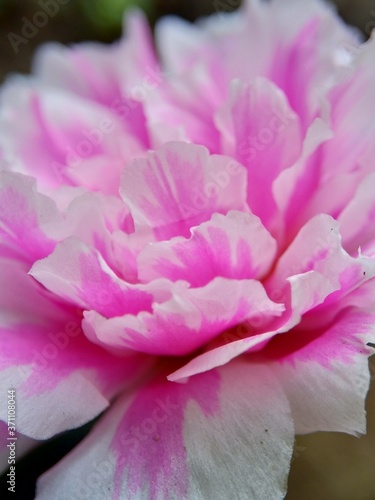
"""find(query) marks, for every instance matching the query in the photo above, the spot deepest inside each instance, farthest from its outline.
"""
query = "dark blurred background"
(78, 20)
(326, 466)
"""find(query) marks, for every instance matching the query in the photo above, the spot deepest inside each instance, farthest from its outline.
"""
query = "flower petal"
(192, 317)
(185, 441)
(75, 141)
(180, 186)
(357, 218)
(334, 359)
(266, 139)
(352, 113)
(297, 184)
(79, 274)
(312, 276)
(61, 379)
(92, 69)
(235, 246)
(26, 218)
(318, 247)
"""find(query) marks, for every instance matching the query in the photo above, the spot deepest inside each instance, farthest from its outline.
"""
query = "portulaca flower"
(187, 246)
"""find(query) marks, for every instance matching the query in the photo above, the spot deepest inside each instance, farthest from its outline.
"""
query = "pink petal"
(162, 442)
(26, 218)
(352, 114)
(357, 218)
(329, 176)
(235, 246)
(191, 318)
(296, 185)
(181, 185)
(304, 57)
(267, 139)
(25, 300)
(57, 372)
(317, 247)
(126, 249)
(336, 360)
(306, 292)
(311, 277)
(75, 141)
(62, 380)
(71, 402)
(94, 218)
(305, 69)
(91, 70)
(78, 274)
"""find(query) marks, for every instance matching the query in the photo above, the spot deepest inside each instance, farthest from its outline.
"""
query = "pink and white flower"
(188, 245)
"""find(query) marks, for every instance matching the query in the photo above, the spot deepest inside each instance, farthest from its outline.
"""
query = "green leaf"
(108, 14)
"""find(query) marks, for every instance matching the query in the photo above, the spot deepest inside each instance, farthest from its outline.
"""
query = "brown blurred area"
(326, 466)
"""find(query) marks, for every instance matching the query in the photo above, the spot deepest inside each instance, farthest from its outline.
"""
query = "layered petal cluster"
(187, 244)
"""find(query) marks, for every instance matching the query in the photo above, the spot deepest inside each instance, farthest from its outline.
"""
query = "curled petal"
(191, 318)
(235, 245)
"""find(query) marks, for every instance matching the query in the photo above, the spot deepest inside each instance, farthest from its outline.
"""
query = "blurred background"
(78, 20)
(326, 466)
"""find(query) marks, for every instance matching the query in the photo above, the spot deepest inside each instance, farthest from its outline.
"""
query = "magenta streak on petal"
(107, 97)
(53, 140)
(244, 261)
(198, 266)
(350, 279)
(205, 255)
(137, 121)
(299, 69)
(48, 140)
(156, 460)
(170, 189)
(336, 342)
(54, 355)
(103, 294)
(20, 226)
(59, 137)
(102, 94)
(220, 241)
(200, 263)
